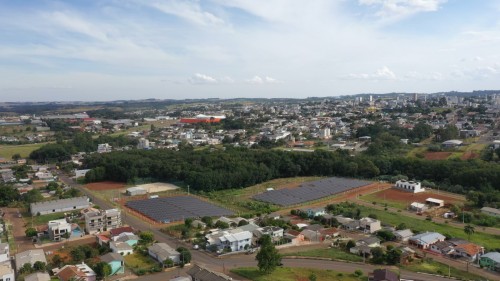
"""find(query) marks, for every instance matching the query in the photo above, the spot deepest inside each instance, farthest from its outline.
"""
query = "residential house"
(328, 233)
(383, 275)
(162, 251)
(369, 225)
(4, 252)
(403, 235)
(371, 242)
(425, 240)
(29, 256)
(59, 229)
(103, 239)
(101, 220)
(490, 211)
(294, 236)
(121, 248)
(469, 251)
(117, 231)
(315, 212)
(128, 238)
(60, 205)
(80, 272)
(442, 248)
(198, 224)
(116, 262)
(199, 273)
(311, 235)
(226, 239)
(275, 232)
(491, 261)
(38, 276)
(6, 272)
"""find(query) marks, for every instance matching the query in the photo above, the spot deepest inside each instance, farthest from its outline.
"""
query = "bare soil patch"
(105, 185)
(393, 194)
(469, 155)
(437, 155)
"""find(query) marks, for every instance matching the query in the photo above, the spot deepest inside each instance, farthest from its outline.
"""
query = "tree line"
(208, 170)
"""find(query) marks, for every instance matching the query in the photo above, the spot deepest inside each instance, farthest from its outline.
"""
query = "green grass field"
(42, 219)
(434, 267)
(372, 197)
(287, 274)
(6, 151)
(333, 253)
(489, 241)
(137, 261)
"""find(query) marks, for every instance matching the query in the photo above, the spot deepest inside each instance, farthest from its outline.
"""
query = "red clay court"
(105, 185)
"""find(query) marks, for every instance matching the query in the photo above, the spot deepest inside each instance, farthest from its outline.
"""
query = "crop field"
(400, 199)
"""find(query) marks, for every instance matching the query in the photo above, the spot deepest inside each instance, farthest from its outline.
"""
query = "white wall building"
(410, 186)
(58, 228)
(238, 241)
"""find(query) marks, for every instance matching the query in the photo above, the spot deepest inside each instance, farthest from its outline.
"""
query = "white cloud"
(397, 9)
(199, 78)
(262, 80)
(74, 23)
(383, 73)
(187, 10)
(476, 73)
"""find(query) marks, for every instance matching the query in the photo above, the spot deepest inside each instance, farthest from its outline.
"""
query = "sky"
(83, 50)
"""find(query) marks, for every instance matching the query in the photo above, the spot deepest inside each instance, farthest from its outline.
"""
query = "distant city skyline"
(131, 49)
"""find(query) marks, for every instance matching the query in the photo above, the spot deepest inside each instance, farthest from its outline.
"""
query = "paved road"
(226, 263)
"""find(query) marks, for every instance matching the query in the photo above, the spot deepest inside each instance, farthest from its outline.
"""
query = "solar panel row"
(177, 208)
(310, 191)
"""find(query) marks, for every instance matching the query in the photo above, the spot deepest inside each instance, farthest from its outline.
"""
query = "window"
(53, 210)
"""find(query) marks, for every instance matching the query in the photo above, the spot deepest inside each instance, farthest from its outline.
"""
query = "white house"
(58, 229)
(425, 240)
(162, 251)
(410, 186)
(369, 225)
(6, 272)
(121, 248)
(237, 241)
(403, 235)
(275, 232)
(4, 252)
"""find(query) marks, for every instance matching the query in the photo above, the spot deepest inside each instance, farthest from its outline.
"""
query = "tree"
(385, 235)
(57, 260)
(31, 232)
(358, 273)
(221, 224)
(242, 222)
(268, 257)
(146, 237)
(401, 226)
(313, 277)
(26, 268)
(377, 255)
(208, 220)
(77, 254)
(350, 244)
(39, 266)
(16, 156)
(469, 230)
(185, 256)
(102, 270)
(168, 262)
(188, 222)
(393, 256)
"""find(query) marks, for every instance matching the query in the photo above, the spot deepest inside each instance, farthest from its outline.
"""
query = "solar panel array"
(309, 191)
(168, 209)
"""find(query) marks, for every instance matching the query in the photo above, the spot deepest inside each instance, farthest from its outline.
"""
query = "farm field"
(105, 185)
(300, 274)
(489, 241)
(6, 151)
(401, 199)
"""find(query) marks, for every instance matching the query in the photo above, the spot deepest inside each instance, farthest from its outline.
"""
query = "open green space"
(433, 267)
(42, 219)
(6, 151)
(138, 262)
(489, 241)
(331, 253)
(239, 199)
(372, 197)
(287, 273)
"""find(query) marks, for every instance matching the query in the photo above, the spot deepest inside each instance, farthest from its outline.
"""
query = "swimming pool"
(77, 232)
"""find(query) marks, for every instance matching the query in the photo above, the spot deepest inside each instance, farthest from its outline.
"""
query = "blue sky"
(133, 49)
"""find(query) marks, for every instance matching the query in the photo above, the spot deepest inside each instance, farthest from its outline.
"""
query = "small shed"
(133, 191)
(418, 207)
(434, 202)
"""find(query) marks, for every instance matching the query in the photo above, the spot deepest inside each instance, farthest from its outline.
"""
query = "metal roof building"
(60, 205)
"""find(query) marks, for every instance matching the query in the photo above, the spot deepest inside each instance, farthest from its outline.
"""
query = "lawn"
(302, 274)
(42, 219)
(240, 199)
(6, 151)
(372, 197)
(433, 267)
(137, 261)
(333, 253)
(489, 241)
